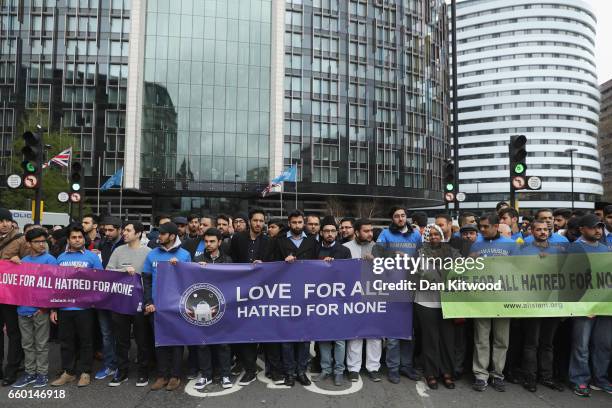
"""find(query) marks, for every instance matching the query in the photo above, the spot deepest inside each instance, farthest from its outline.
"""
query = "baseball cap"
(180, 220)
(590, 221)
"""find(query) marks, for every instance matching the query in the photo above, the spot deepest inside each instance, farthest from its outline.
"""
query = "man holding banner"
(493, 244)
(75, 324)
(295, 245)
(400, 238)
(169, 358)
(130, 258)
(591, 335)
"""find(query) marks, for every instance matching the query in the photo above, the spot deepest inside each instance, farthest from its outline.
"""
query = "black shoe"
(315, 366)
(142, 380)
(237, 369)
(289, 381)
(118, 379)
(552, 384)
(277, 378)
(8, 381)
(247, 378)
(479, 385)
(410, 373)
(353, 376)
(514, 379)
(303, 379)
(530, 385)
(498, 385)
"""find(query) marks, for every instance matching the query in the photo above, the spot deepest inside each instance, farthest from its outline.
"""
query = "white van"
(49, 218)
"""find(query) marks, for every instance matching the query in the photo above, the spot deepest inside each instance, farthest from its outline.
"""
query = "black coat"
(191, 246)
(282, 246)
(338, 251)
(239, 247)
(205, 257)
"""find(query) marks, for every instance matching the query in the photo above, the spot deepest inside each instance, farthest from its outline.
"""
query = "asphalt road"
(364, 394)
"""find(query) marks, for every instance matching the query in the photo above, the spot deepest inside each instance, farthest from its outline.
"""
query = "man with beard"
(169, 358)
(607, 233)
(250, 247)
(539, 333)
(240, 222)
(330, 249)
(313, 225)
(347, 230)
(193, 226)
(294, 245)
(90, 226)
(561, 217)
(591, 335)
(400, 238)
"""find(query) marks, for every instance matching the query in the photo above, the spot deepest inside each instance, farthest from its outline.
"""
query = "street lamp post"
(571, 153)
(477, 182)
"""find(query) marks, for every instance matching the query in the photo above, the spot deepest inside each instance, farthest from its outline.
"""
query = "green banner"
(531, 286)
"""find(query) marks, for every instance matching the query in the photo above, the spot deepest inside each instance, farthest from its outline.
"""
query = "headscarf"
(427, 232)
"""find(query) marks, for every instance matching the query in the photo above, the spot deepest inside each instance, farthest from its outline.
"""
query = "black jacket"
(205, 257)
(338, 251)
(239, 247)
(282, 246)
(461, 245)
(191, 246)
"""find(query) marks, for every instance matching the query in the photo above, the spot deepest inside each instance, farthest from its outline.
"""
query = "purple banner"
(272, 302)
(50, 286)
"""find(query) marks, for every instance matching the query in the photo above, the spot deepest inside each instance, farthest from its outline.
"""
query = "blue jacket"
(500, 246)
(532, 249)
(149, 269)
(42, 259)
(581, 246)
(395, 241)
(79, 259)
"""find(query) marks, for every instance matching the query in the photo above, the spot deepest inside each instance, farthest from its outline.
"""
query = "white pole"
(281, 198)
(296, 186)
(121, 194)
(99, 179)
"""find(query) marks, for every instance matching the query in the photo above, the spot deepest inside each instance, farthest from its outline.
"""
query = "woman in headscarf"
(437, 334)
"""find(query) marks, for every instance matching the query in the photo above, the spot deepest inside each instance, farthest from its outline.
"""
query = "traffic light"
(518, 162)
(32, 159)
(76, 177)
(450, 183)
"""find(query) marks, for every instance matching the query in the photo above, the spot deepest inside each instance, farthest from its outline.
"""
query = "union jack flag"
(269, 188)
(61, 159)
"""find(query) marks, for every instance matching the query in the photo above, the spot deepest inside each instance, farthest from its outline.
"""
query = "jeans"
(273, 353)
(8, 316)
(34, 340)
(247, 355)
(169, 358)
(339, 348)
(76, 330)
(596, 332)
(399, 354)
(108, 340)
(295, 357)
(223, 357)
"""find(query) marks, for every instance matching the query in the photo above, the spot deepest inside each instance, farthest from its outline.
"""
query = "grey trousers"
(482, 347)
(35, 342)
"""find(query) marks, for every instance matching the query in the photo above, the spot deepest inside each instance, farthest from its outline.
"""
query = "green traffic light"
(30, 167)
(76, 187)
(450, 187)
(519, 168)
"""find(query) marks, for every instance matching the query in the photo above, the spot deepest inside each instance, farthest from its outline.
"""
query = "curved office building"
(528, 67)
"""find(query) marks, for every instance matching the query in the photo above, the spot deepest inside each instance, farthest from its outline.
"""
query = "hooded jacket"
(149, 269)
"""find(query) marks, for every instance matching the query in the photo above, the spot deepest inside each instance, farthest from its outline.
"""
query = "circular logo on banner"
(202, 304)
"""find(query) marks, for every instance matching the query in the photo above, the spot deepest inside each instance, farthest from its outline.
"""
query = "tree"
(367, 208)
(54, 177)
(334, 207)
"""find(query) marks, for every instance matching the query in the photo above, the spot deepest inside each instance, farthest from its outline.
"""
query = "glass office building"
(64, 62)
(204, 101)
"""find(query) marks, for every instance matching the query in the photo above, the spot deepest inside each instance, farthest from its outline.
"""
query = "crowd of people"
(549, 351)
